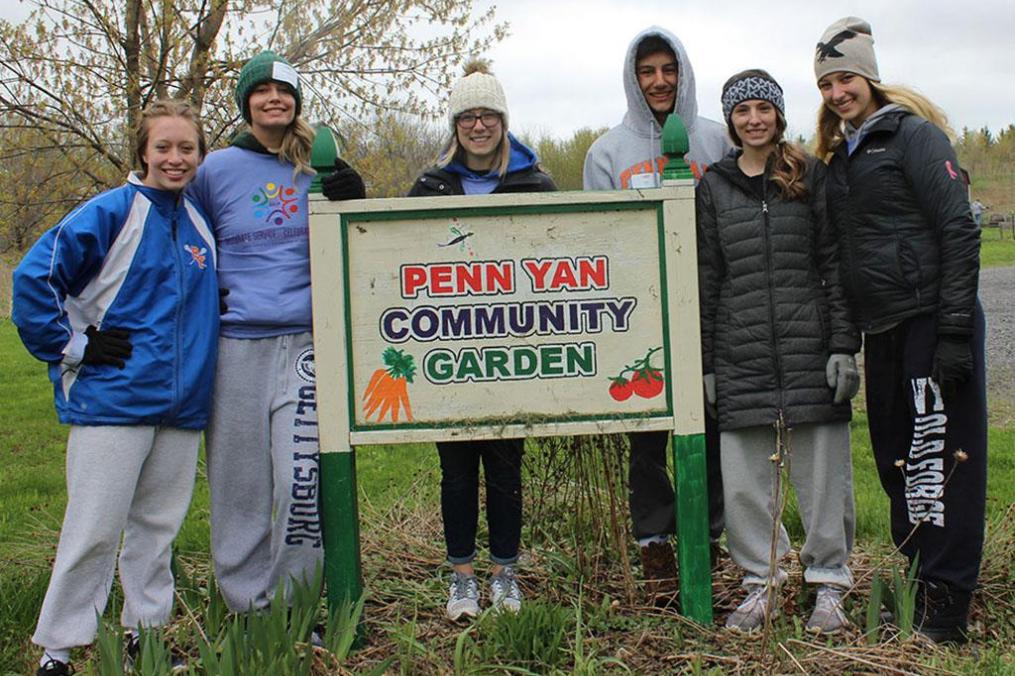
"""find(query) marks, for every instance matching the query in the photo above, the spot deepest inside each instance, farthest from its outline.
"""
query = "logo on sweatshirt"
(275, 203)
(198, 256)
(628, 180)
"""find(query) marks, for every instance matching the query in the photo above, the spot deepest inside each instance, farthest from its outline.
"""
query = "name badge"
(640, 181)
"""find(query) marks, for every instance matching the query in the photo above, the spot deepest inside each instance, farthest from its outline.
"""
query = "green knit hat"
(266, 67)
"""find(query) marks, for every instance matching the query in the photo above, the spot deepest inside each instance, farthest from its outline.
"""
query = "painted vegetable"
(647, 381)
(386, 393)
(620, 390)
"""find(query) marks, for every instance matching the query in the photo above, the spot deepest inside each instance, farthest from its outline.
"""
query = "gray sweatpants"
(129, 480)
(262, 468)
(821, 472)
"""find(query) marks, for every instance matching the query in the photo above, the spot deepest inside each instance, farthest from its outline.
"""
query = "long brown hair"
(165, 108)
(830, 129)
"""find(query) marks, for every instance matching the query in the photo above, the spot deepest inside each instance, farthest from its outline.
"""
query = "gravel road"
(997, 293)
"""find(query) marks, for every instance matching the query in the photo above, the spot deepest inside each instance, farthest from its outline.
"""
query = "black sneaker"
(133, 651)
(941, 612)
(54, 668)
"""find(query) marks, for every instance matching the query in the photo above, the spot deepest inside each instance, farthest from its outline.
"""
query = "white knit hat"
(847, 45)
(478, 89)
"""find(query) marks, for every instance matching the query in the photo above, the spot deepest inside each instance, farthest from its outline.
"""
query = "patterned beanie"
(478, 89)
(747, 85)
(847, 45)
(266, 67)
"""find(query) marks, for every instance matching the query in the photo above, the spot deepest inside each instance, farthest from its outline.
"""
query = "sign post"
(503, 316)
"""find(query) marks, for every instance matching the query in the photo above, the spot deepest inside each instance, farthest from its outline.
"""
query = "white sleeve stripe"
(52, 266)
(202, 228)
(91, 305)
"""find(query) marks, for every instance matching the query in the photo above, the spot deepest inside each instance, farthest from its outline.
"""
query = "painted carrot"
(386, 393)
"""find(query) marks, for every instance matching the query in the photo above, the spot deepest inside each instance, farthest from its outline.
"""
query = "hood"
(854, 135)
(246, 140)
(639, 116)
(522, 158)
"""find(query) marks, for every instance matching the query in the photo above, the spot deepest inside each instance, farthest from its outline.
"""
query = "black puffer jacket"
(437, 181)
(908, 242)
(772, 310)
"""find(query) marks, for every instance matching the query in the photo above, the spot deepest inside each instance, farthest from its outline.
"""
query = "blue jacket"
(134, 258)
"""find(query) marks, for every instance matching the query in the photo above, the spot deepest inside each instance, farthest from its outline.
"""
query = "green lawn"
(994, 251)
(32, 498)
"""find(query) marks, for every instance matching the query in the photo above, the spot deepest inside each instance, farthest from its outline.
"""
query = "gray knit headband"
(751, 87)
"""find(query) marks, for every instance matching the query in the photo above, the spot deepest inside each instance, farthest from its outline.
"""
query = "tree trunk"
(132, 53)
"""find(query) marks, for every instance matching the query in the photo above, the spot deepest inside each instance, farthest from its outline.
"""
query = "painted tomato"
(647, 383)
(620, 390)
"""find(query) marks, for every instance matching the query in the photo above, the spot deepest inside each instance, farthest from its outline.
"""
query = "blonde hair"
(296, 145)
(453, 151)
(165, 108)
(830, 132)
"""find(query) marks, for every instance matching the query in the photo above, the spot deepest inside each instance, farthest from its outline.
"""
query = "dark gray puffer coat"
(772, 308)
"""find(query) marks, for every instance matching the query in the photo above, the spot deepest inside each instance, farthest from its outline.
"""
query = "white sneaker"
(753, 610)
(827, 617)
(504, 591)
(463, 596)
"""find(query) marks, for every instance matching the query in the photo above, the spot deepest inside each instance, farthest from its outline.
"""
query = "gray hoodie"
(635, 147)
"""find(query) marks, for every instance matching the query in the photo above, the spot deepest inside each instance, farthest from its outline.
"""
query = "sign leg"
(692, 527)
(340, 513)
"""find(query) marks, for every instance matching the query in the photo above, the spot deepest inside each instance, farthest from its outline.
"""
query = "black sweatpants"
(502, 469)
(916, 430)
(651, 492)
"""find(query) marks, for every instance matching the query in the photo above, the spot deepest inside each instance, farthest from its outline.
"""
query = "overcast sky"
(561, 65)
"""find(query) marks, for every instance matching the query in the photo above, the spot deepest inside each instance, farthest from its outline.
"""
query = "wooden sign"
(505, 316)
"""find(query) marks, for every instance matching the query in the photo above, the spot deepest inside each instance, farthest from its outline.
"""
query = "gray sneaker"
(463, 596)
(827, 617)
(753, 610)
(504, 591)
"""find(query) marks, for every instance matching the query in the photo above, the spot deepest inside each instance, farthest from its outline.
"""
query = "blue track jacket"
(133, 258)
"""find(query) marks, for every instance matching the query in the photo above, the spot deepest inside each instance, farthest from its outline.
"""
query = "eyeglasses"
(468, 120)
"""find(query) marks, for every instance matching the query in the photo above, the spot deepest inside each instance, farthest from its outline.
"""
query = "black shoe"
(941, 612)
(54, 668)
(133, 651)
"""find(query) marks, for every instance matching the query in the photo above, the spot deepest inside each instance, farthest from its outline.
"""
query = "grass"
(584, 613)
(995, 251)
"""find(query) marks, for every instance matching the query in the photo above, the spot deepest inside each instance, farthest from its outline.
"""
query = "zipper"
(179, 308)
(766, 235)
(854, 277)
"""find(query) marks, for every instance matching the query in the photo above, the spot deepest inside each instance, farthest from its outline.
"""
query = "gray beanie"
(847, 45)
(266, 67)
(478, 89)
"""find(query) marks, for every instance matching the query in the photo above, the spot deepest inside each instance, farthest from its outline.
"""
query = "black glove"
(107, 347)
(223, 307)
(953, 361)
(343, 183)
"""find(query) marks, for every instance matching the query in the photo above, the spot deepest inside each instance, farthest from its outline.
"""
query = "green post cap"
(675, 146)
(323, 154)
